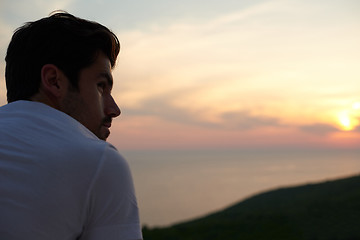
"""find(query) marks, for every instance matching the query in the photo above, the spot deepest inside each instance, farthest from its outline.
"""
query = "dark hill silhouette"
(322, 211)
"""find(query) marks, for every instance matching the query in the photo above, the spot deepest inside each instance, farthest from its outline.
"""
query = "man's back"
(59, 181)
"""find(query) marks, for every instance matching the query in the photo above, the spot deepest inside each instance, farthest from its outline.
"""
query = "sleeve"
(112, 206)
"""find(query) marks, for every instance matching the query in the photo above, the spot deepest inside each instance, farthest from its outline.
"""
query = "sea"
(174, 186)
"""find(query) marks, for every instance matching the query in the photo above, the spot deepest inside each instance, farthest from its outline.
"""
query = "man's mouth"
(107, 122)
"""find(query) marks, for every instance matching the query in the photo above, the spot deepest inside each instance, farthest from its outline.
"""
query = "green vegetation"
(323, 211)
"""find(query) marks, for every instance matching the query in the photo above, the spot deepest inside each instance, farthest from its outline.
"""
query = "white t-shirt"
(59, 181)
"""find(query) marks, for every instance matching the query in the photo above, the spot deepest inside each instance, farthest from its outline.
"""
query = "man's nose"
(111, 109)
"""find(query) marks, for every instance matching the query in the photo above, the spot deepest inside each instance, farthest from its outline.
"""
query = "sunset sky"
(225, 74)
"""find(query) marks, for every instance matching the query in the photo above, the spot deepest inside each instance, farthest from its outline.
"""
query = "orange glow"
(347, 121)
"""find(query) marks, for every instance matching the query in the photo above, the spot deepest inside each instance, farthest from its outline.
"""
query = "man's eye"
(101, 86)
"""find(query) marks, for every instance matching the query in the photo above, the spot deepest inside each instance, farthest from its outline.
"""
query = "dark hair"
(69, 42)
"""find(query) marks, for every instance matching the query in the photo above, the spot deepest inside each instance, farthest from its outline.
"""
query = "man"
(59, 178)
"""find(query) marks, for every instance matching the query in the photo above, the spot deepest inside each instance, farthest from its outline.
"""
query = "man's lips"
(107, 124)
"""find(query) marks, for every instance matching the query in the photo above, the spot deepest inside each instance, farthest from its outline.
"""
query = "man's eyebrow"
(108, 78)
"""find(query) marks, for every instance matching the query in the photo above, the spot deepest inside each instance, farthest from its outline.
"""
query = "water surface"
(175, 186)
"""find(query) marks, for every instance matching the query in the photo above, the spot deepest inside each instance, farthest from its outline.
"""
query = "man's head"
(58, 60)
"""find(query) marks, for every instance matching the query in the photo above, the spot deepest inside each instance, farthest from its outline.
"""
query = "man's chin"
(104, 133)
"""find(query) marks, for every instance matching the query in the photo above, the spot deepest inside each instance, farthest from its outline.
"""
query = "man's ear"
(53, 80)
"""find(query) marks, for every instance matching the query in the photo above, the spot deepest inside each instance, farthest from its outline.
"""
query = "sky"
(224, 74)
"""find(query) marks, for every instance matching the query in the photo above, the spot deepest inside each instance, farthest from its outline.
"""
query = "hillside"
(322, 211)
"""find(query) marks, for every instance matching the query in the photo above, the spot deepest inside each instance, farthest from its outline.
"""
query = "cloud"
(261, 60)
(357, 129)
(319, 129)
(161, 107)
(164, 107)
(16, 11)
(244, 120)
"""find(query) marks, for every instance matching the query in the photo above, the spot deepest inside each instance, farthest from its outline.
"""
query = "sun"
(347, 119)
(344, 121)
(356, 106)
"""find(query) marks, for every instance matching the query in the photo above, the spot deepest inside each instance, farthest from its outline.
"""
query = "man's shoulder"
(91, 147)
(42, 131)
(43, 121)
